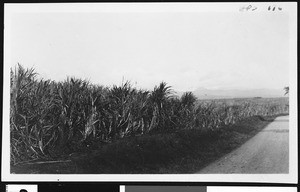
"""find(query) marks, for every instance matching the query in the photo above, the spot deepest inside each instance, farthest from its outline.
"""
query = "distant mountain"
(203, 93)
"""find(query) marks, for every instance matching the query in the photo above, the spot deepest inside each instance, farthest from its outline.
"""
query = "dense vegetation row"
(49, 118)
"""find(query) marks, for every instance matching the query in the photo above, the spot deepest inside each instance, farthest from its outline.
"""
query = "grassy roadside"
(185, 151)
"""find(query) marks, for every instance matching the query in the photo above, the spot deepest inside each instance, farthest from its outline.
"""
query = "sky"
(188, 50)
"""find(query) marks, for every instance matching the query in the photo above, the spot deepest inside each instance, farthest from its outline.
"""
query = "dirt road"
(267, 152)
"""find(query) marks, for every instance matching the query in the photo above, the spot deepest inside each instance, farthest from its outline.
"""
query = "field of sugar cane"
(50, 119)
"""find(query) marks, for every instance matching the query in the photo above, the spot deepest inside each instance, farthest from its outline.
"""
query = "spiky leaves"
(287, 90)
(47, 117)
(159, 98)
(187, 103)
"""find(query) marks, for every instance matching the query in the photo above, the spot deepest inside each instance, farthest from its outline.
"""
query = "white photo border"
(289, 7)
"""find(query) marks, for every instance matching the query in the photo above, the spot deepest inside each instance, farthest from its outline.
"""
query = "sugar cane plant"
(49, 119)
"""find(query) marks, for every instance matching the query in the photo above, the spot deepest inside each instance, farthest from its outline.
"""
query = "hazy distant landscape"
(203, 93)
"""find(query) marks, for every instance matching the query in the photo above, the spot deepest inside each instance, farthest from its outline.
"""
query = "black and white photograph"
(150, 92)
